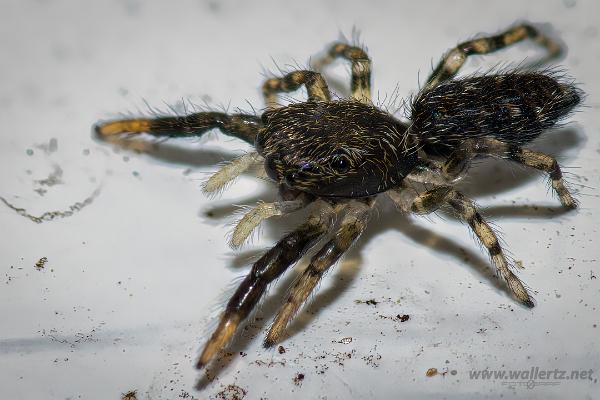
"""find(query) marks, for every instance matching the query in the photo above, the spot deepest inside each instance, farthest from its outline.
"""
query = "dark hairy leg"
(352, 225)
(361, 68)
(268, 268)
(459, 160)
(315, 86)
(455, 58)
(431, 200)
(242, 126)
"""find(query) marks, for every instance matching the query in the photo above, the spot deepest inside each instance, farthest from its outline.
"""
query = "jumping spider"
(340, 156)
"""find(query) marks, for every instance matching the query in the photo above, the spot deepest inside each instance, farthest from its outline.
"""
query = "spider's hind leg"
(361, 68)
(455, 58)
(459, 160)
(433, 199)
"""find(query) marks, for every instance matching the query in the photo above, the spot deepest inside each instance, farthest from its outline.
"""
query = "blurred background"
(121, 278)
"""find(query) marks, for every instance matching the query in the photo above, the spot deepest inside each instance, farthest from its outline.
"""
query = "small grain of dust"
(298, 379)
(281, 349)
(50, 147)
(519, 264)
(431, 372)
(370, 302)
(131, 395)
(232, 392)
(41, 263)
(403, 318)
(346, 340)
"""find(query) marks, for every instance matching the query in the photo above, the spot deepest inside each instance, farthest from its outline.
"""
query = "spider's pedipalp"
(350, 228)
(268, 268)
(361, 68)
(455, 58)
(433, 199)
(230, 171)
(261, 212)
(242, 126)
(315, 86)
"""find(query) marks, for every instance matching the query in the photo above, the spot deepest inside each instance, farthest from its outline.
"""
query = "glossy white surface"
(135, 281)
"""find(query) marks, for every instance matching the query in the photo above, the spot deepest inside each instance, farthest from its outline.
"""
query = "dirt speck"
(232, 392)
(346, 340)
(41, 263)
(281, 349)
(431, 372)
(131, 395)
(370, 302)
(298, 379)
(403, 317)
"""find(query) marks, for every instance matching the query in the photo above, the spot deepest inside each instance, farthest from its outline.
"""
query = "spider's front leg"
(268, 268)
(242, 126)
(361, 68)
(455, 58)
(459, 160)
(315, 86)
(431, 200)
(352, 225)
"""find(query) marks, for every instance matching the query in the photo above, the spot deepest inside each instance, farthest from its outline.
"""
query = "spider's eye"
(340, 163)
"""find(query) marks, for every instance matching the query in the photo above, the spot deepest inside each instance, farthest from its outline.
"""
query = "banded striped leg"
(455, 58)
(242, 126)
(261, 212)
(459, 160)
(352, 225)
(315, 86)
(268, 268)
(433, 199)
(361, 68)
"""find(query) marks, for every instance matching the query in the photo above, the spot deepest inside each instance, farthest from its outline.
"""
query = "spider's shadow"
(479, 184)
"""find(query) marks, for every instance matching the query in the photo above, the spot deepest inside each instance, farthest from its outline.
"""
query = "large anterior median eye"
(340, 163)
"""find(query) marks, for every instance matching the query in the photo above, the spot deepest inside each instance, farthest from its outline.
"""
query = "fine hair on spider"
(336, 157)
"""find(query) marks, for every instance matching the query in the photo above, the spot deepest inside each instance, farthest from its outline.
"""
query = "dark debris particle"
(232, 392)
(281, 349)
(131, 395)
(41, 263)
(298, 379)
(370, 302)
(403, 318)
(431, 372)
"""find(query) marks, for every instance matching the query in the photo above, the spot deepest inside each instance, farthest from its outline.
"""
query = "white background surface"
(134, 282)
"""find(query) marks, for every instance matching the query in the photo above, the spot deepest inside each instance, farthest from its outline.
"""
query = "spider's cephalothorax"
(340, 156)
(335, 149)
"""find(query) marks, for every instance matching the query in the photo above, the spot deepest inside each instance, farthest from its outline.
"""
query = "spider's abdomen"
(513, 107)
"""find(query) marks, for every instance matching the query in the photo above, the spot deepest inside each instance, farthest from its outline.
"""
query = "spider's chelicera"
(340, 156)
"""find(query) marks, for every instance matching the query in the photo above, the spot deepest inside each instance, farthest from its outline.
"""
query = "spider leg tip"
(529, 303)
